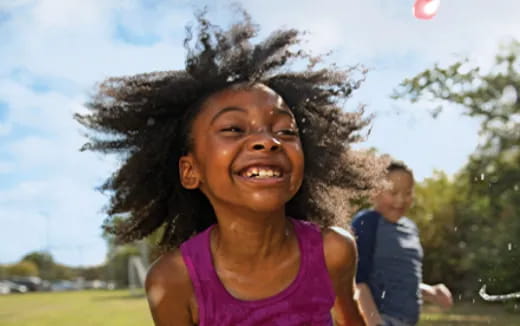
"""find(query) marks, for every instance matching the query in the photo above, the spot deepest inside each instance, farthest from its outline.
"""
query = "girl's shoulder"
(340, 253)
(339, 247)
(168, 287)
(168, 270)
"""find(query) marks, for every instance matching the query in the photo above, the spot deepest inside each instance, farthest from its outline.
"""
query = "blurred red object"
(426, 9)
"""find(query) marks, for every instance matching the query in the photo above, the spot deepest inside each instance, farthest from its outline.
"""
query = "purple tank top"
(307, 301)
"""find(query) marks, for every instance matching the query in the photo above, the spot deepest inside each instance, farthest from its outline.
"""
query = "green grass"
(85, 308)
(118, 308)
(468, 314)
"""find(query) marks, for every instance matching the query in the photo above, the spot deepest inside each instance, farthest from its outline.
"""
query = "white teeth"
(262, 173)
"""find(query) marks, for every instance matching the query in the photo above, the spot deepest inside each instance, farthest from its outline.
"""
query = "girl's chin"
(265, 205)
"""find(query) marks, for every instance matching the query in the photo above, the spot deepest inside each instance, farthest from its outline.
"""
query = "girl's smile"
(262, 173)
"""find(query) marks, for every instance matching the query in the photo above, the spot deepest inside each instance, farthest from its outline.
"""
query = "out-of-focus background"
(443, 92)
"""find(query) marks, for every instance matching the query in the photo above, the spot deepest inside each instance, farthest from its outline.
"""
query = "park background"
(443, 95)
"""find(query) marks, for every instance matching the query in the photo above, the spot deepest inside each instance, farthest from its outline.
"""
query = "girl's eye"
(233, 129)
(288, 132)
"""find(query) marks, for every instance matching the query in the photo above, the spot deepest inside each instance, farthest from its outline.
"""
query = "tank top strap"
(314, 255)
(195, 252)
(197, 257)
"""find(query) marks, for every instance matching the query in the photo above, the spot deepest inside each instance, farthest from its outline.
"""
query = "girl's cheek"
(223, 152)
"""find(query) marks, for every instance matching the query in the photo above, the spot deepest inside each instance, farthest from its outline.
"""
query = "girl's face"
(395, 201)
(246, 151)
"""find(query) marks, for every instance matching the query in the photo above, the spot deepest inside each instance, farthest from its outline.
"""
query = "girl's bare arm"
(341, 259)
(169, 291)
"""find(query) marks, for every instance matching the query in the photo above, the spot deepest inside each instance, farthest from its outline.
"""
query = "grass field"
(468, 314)
(88, 308)
(118, 308)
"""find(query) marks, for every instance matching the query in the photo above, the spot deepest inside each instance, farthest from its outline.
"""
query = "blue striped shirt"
(390, 263)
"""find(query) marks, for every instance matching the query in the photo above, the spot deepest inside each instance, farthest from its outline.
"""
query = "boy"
(389, 274)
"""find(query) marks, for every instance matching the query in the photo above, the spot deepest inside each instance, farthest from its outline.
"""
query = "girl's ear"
(190, 178)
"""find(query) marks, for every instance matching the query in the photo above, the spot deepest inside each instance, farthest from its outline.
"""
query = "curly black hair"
(147, 118)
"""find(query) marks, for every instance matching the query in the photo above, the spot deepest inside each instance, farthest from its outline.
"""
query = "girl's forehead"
(244, 94)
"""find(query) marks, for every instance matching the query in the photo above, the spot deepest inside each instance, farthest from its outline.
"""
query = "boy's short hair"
(397, 165)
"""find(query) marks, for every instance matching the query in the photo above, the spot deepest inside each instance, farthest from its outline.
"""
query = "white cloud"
(72, 43)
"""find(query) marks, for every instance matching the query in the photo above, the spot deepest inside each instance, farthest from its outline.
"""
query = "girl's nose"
(264, 142)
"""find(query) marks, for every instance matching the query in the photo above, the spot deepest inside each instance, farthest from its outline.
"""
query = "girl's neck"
(255, 238)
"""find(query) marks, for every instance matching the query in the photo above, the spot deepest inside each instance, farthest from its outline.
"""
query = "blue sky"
(53, 52)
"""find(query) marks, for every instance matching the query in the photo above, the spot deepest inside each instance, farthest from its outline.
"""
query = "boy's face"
(395, 201)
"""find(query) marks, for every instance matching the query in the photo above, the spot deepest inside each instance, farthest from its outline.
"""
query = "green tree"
(448, 222)
(3, 272)
(23, 268)
(94, 272)
(488, 211)
(63, 272)
(43, 261)
(117, 265)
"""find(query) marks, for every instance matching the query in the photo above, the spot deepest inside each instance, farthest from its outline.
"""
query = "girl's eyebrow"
(277, 110)
(284, 112)
(224, 110)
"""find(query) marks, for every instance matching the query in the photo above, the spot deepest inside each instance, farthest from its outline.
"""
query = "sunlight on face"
(396, 197)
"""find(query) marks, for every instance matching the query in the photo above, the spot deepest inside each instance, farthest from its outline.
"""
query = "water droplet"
(482, 176)
(383, 295)
(509, 246)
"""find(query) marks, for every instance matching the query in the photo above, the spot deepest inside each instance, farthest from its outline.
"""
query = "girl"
(214, 155)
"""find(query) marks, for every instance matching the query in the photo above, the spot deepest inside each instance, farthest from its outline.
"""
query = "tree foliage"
(44, 262)
(471, 224)
(22, 269)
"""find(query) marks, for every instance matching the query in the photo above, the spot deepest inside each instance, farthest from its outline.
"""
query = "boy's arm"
(438, 294)
(368, 306)
(169, 291)
(364, 227)
(340, 257)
